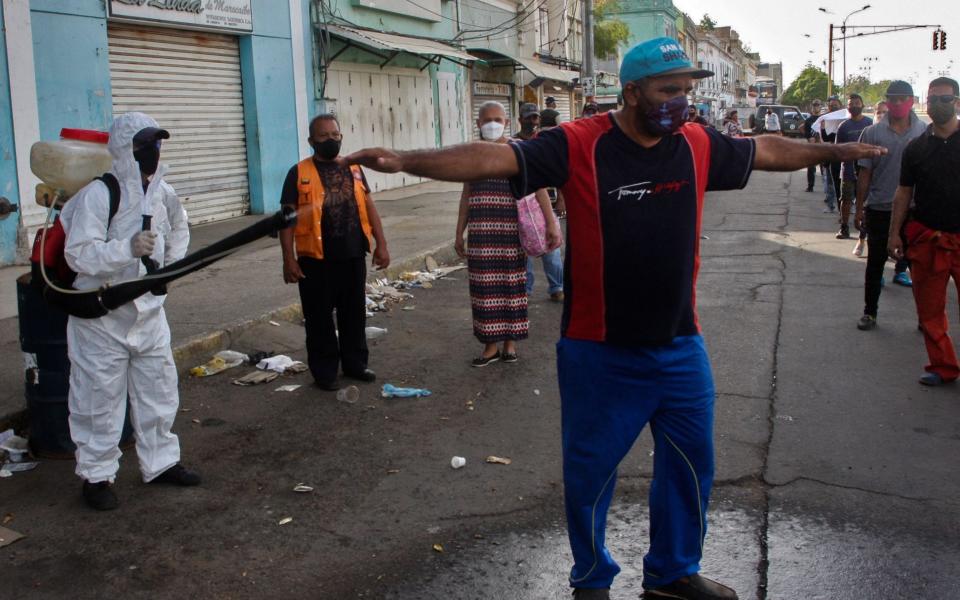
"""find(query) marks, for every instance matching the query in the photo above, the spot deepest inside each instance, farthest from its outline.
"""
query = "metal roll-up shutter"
(477, 101)
(190, 83)
(563, 105)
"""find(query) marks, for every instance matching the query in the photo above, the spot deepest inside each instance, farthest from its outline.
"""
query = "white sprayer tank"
(70, 163)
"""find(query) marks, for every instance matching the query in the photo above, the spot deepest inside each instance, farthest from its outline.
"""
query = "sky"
(776, 29)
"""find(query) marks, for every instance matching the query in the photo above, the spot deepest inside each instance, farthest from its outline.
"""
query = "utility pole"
(587, 72)
(830, 65)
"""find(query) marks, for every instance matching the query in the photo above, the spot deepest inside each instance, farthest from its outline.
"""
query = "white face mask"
(491, 131)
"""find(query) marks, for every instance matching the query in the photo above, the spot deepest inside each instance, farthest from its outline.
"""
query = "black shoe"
(100, 495)
(809, 189)
(509, 357)
(364, 375)
(844, 233)
(482, 361)
(866, 323)
(177, 475)
(330, 386)
(693, 587)
(591, 594)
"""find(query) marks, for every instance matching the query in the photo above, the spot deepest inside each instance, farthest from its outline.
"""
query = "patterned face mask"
(666, 118)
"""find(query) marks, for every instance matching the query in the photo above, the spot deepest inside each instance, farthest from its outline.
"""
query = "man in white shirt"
(771, 123)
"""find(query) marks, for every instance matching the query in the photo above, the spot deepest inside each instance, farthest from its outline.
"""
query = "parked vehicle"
(791, 119)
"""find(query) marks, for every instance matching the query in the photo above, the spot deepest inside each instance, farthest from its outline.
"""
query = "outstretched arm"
(775, 153)
(466, 162)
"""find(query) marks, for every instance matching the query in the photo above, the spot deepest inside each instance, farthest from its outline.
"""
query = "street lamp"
(843, 30)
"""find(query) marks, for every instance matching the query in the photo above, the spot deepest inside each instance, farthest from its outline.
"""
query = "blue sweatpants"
(608, 393)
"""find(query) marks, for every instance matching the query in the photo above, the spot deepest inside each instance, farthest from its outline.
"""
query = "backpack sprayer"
(68, 165)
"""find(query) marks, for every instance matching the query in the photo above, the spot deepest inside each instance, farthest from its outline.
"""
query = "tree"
(809, 85)
(871, 92)
(706, 23)
(608, 32)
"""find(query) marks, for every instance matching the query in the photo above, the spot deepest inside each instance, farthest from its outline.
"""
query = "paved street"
(836, 472)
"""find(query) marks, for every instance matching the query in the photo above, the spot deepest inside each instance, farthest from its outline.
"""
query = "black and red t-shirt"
(633, 222)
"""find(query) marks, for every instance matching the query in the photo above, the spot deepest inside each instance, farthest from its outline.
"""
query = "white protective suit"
(127, 351)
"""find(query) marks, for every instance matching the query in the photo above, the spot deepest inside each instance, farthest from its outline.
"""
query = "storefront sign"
(485, 88)
(234, 15)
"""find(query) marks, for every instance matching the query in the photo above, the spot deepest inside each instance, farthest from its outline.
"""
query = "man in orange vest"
(325, 254)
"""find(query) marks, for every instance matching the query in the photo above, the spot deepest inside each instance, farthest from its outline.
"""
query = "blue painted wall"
(8, 159)
(73, 70)
(270, 114)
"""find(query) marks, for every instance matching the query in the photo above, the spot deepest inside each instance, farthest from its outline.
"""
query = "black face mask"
(327, 149)
(148, 157)
(528, 127)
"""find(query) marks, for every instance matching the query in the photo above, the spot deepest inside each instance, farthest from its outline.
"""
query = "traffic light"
(936, 39)
(943, 40)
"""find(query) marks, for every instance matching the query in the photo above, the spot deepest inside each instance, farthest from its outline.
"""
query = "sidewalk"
(205, 308)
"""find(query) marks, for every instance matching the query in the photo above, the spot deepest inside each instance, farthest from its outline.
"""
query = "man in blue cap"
(631, 352)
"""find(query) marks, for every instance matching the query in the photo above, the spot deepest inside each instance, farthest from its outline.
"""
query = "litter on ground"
(282, 363)
(221, 361)
(256, 377)
(391, 391)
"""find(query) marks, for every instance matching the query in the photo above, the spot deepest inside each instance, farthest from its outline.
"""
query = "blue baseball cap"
(658, 57)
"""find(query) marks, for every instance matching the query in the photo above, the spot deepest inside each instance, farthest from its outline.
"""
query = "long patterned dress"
(496, 263)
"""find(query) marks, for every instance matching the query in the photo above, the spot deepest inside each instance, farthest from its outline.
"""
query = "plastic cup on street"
(457, 462)
(349, 394)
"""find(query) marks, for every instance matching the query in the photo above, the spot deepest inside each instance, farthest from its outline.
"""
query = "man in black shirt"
(928, 175)
(811, 136)
(325, 254)
(631, 350)
(550, 116)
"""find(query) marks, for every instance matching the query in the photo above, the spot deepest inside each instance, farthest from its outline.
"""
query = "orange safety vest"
(308, 234)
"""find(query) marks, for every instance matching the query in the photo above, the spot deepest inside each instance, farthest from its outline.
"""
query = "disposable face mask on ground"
(491, 131)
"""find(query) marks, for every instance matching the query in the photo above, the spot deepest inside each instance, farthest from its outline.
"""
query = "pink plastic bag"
(532, 226)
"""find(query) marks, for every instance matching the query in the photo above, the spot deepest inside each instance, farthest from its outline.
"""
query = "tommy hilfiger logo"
(640, 190)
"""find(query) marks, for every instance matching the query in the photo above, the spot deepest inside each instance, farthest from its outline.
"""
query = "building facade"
(227, 82)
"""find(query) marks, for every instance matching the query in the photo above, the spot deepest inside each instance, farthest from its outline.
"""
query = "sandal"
(482, 361)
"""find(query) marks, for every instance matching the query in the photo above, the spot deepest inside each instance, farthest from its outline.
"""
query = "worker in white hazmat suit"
(127, 351)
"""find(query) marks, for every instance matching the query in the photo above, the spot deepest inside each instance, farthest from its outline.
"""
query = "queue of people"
(903, 203)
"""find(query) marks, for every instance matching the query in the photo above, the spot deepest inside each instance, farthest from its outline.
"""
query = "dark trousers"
(329, 285)
(835, 176)
(878, 233)
(811, 177)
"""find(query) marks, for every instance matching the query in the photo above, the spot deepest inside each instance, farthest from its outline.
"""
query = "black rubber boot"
(178, 475)
(100, 495)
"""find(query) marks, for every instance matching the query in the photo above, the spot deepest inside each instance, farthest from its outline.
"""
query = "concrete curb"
(200, 348)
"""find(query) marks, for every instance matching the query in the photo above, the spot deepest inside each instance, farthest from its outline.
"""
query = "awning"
(538, 69)
(389, 45)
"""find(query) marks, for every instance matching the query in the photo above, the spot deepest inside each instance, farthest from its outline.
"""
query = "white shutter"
(475, 111)
(190, 83)
(563, 105)
(392, 108)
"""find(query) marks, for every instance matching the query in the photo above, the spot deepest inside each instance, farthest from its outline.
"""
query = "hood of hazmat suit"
(127, 351)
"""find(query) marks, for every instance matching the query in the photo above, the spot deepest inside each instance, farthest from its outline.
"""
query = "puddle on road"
(534, 565)
(832, 562)
(811, 558)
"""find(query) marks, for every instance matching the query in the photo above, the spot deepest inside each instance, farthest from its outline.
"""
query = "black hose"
(97, 303)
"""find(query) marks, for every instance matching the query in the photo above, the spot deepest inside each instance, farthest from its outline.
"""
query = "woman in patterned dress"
(495, 261)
